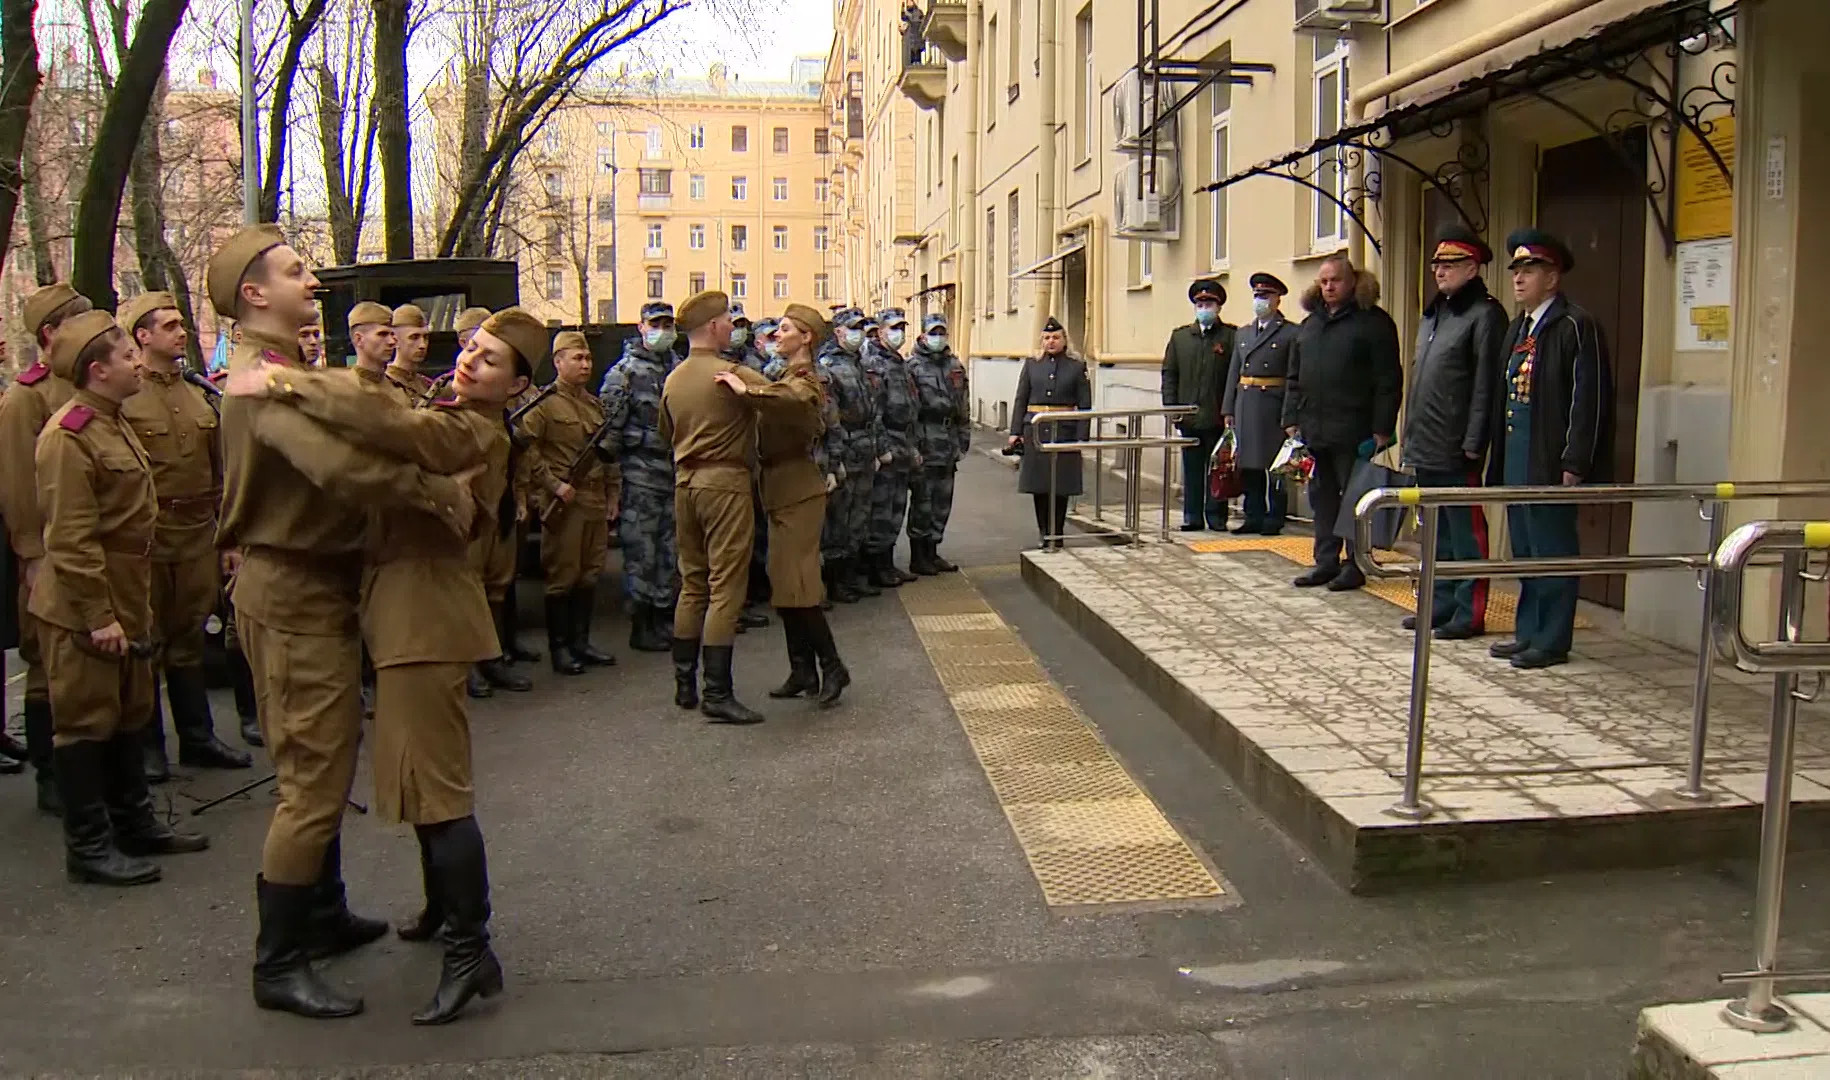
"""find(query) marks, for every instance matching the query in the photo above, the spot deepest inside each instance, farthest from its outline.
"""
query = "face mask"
(937, 342)
(739, 335)
(1262, 306)
(1206, 316)
(851, 339)
(893, 338)
(772, 347)
(658, 340)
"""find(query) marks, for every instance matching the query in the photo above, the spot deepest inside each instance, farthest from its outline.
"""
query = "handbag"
(1223, 480)
(1369, 476)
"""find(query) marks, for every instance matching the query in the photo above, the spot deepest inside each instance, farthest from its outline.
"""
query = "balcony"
(654, 254)
(945, 28)
(924, 79)
(647, 201)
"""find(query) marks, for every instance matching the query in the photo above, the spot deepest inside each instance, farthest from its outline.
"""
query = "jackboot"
(283, 976)
(834, 677)
(918, 558)
(559, 635)
(720, 703)
(39, 751)
(137, 828)
(854, 571)
(471, 969)
(584, 605)
(475, 685)
(198, 745)
(430, 922)
(881, 569)
(686, 672)
(838, 584)
(498, 675)
(751, 619)
(508, 625)
(803, 670)
(154, 763)
(644, 631)
(331, 928)
(90, 854)
(241, 680)
(938, 561)
(905, 576)
(12, 748)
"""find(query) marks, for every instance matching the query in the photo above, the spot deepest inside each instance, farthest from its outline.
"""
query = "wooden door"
(1592, 195)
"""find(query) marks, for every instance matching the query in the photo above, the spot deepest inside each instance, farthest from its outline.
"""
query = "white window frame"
(740, 189)
(695, 137)
(740, 238)
(695, 237)
(656, 282)
(1013, 212)
(822, 189)
(991, 261)
(695, 282)
(822, 287)
(778, 189)
(606, 161)
(1329, 173)
(695, 187)
(655, 145)
(822, 238)
(1089, 79)
(779, 289)
(654, 235)
(740, 286)
(778, 237)
(1219, 156)
(555, 285)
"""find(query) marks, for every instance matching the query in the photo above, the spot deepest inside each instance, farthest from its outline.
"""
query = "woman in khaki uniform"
(792, 415)
(421, 576)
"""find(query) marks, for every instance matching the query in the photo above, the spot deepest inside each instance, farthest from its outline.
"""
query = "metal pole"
(250, 152)
(1099, 468)
(1054, 465)
(1162, 525)
(1758, 1011)
(1716, 513)
(1409, 806)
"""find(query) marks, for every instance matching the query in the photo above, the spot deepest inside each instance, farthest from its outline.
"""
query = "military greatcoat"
(1050, 384)
(1254, 395)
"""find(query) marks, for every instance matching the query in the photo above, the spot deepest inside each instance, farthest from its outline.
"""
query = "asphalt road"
(839, 895)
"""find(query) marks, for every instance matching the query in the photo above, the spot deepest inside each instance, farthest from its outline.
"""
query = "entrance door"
(1592, 195)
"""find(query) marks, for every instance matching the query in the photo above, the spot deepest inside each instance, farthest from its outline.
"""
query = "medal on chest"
(1527, 351)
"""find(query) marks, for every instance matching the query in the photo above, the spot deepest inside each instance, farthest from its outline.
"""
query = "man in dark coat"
(1342, 398)
(1447, 414)
(1194, 373)
(1556, 398)
(1253, 405)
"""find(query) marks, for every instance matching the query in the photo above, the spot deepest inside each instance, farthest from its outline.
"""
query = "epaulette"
(76, 418)
(446, 403)
(274, 357)
(33, 375)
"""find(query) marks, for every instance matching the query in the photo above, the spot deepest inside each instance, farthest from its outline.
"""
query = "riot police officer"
(943, 434)
(645, 524)
(896, 404)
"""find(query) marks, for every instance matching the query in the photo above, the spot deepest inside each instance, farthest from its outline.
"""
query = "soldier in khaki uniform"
(311, 342)
(91, 596)
(714, 440)
(503, 557)
(574, 504)
(410, 343)
(176, 425)
(37, 393)
(295, 510)
(371, 337)
(494, 553)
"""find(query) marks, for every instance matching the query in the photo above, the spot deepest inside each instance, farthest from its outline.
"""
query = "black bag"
(1366, 477)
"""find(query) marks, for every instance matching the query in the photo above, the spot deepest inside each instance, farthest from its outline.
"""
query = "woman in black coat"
(1054, 380)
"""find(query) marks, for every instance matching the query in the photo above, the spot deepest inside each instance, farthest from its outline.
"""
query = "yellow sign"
(1711, 323)
(1705, 199)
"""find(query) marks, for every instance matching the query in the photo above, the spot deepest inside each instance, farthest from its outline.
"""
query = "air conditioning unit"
(1158, 101)
(1147, 198)
(1337, 15)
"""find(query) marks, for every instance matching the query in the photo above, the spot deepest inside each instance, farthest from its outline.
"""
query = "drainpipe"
(969, 181)
(1045, 158)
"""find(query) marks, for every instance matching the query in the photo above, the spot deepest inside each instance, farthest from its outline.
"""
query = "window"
(740, 139)
(821, 188)
(695, 137)
(603, 127)
(740, 286)
(1220, 97)
(991, 259)
(822, 290)
(1330, 167)
(606, 162)
(695, 238)
(654, 237)
(695, 282)
(779, 238)
(555, 285)
(1086, 87)
(992, 87)
(657, 181)
(606, 258)
(657, 286)
(654, 142)
(740, 238)
(1010, 257)
(1016, 47)
(555, 184)
(606, 311)
(821, 238)
(552, 140)
(822, 141)
(779, 189)
(781, 140)
(780, 287)
(1146, 261)
(555, 242)
(740, 188)
(695, 186)
(606, 210)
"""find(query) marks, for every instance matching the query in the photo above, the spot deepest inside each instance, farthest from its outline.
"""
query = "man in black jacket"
(1556, 402)
(1446, 414)
(1342, 398)
(1194, 373)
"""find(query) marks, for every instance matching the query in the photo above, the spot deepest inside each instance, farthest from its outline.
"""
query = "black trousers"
(1043, 516)
(1333, 468)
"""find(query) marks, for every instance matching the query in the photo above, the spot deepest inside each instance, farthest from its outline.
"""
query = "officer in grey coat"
(859, 446)
(943, 429)
(895, 389)
(1054, 380)
(1253, 403)
(631, 397)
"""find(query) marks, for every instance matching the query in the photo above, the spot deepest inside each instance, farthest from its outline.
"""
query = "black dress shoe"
(1247, 527)
(1459, 631)
(1437, 622)
(1506, 650)
(1533, 659)
(210, 752)
(1347, 581)
(1321, 575)
(1190, 526)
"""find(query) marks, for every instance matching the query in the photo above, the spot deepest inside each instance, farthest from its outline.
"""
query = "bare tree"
(391, 126)
(19, 79)
(301, 24)
(37, 214)
(343, 87)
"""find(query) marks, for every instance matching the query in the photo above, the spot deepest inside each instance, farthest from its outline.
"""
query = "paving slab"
(1691, 1041)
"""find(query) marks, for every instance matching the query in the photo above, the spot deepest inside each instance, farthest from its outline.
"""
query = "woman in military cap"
(1054, 380)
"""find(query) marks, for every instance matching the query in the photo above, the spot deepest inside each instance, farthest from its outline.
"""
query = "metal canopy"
(1036, 270)
(1642, 52)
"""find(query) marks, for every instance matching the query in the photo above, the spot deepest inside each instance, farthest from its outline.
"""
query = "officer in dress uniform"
(176, 426)
(1194, 372)
(943, 434)
(37, 393)
(1054, 380)
(1556, 400)
(410, 344)
(645, 524)
(861, 433)
(92, 599)
(371, 336)
(1254, 403)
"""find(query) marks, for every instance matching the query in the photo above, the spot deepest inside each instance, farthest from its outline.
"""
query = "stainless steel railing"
(1711, 500)
(1131, 447)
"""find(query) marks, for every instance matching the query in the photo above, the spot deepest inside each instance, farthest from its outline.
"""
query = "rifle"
(576, 468)
(514, 418)
(431, 391)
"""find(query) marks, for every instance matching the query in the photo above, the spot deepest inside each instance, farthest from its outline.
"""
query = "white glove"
(885, 458)
(841, 472)
(831, 483)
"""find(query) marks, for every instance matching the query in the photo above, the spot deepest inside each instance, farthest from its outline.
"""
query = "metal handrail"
(1785, 658)
(1428, 502)
(1132, 447)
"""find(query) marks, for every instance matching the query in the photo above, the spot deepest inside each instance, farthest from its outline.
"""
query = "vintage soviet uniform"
(574, 535)
(1254, 398)
(943, 434)
(896, 406)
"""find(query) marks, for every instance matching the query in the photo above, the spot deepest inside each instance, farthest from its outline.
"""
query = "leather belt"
(175, 501)
(1261, 381)
(1053, 408)
(712, 463)
(116, 547)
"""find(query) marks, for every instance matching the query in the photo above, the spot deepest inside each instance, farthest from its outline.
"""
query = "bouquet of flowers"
(1223, 479)
(1293, 461)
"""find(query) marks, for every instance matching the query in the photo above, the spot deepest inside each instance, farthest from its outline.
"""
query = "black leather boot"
(834, 677)
(283, 976)
(12, 749)
(241, 680)
(803, 672)
(750, 619)
(508, 622)
(905, 576)
(90, 854)
(918, 558)
(838, 582)
(937, 560)
(584, 606)
(498, 675)
(854, 573)
(559, 635)
(430, 922)
(686, 672)
(331, 928)
(461, 869)
(644, 628)
(38, 750)
(475, 685)
(880, 570)
(157, 766)
(720, 702)
(137, 828)
(198, 745)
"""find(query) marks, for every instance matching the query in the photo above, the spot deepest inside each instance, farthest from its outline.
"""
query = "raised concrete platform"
(1302, 696)
(1691, 1042)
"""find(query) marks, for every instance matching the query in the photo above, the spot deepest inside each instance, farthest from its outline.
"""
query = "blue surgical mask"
(772, 347)
(739, 335)
(658, 340)
(894, 338)
(937, 342)
(851, 339)
(1206, 315)
(1262, 306)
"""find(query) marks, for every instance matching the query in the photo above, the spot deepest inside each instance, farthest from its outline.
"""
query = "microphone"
(198, 380)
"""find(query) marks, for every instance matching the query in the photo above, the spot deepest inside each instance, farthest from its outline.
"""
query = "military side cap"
(933, 321)
(570, 339)
(890, 316)
(1052, 326)
(226, 268)
(1537, 246)
(520, 331)
(43, 303)
(409, 315)
(814, 322)
(141, 306)
(1207, 289)
(702, 308)
(1456, 242)
(657, 309)
(471, 318)
(1263, 282)
(368, 311)
(73, 336)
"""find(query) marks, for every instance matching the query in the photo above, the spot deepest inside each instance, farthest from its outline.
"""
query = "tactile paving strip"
(1090, 833)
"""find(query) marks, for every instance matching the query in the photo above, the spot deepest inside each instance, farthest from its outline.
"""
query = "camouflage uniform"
(943, 433)
(896, 402)
(645, 526)
(855, 445)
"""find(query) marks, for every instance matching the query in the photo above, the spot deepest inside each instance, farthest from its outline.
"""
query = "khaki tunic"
(574, 536)
(793, 488)
(177, 425)
(95, 492)
(35, 395)
(411, 384)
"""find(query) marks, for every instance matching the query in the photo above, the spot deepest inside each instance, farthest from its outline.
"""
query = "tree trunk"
(331, 118)
(391, 126)
(19, 79)
(37, 218)
(98, 211)
(280, 116)
(160, 267)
